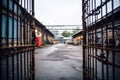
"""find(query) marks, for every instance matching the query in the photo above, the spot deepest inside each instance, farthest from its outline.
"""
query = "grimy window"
(101, 49)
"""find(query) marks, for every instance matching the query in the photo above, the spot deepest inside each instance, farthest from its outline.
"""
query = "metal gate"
(16, 40)
(101, 49)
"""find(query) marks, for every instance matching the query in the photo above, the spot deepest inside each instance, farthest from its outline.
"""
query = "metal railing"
(101, 49)
(16, 40)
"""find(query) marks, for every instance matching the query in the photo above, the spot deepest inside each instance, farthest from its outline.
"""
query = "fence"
(16, 40)
(101, 49)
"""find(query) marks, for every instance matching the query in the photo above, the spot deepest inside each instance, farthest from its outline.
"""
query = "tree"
(66, 34)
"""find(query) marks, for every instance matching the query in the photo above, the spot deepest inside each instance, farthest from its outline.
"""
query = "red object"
(38, 41)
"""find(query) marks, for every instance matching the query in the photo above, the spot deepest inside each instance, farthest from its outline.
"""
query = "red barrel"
(38, 39)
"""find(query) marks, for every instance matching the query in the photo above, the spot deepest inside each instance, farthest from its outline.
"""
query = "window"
(4, 2)
(15, 28)
(10, 28)
(15, 8)
(98, 38)
(4, 20)
(10, 4)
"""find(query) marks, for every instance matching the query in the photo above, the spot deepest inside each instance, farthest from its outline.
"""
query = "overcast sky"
(59, 12)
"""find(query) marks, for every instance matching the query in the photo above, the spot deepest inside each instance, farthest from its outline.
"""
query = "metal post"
(33, 8)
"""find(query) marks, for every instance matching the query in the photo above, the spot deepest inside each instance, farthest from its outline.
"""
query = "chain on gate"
(101, 49)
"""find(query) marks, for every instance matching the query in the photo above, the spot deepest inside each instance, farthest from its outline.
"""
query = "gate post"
(84, 40)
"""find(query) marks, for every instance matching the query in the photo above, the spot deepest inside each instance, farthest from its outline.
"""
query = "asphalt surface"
(58, 62)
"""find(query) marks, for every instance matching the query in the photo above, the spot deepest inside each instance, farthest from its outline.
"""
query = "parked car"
(69, 42)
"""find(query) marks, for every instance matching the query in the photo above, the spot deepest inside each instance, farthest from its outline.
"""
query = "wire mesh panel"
(101, 49)
(16, 40)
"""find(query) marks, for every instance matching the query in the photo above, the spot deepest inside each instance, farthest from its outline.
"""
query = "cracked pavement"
(58, 62)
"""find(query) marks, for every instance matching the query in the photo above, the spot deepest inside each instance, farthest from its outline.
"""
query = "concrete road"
(58, 62)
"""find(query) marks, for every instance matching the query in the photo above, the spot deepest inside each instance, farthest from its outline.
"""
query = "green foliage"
(66, 34)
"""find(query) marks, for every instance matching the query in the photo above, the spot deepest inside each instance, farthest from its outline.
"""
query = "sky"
(59, 12)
